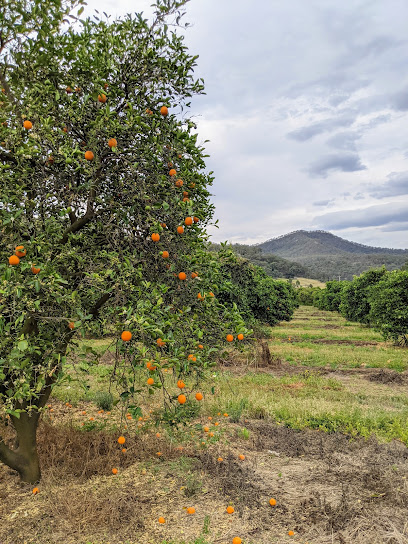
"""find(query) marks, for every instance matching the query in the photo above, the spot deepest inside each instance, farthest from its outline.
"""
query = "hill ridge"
(300, 243)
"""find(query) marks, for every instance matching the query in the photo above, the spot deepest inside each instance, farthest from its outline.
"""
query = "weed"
(104, 400)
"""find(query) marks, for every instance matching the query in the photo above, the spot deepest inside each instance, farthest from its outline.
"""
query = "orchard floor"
(324, 433)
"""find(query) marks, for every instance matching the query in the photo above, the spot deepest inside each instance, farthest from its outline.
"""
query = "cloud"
(343, 162)
(323, 202)
(373, 216)
(396, 185)
(344, 140)
(395, 227)
(400, 100)
(327, 125)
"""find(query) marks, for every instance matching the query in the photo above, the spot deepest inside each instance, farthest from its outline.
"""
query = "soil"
(328, 488)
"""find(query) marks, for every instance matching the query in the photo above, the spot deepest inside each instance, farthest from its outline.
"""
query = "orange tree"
(103, 205)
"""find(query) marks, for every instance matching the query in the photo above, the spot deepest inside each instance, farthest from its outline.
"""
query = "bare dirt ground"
(328, 488)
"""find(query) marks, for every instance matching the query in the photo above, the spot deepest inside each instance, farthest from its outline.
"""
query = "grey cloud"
(344, 140)
(399, 101)
(373, 216)
(344, 162)
(323, 202)
(327, 125)
(359, 196)
(395, 227)
(396, 185)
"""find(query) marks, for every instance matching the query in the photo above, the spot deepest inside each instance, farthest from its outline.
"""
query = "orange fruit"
(242, 457)
(182, 276)
(188, 221)
(155, 237)
(163, 225)
(121, 440)
(211, 294)
(199, 396)
(14, 260)
(236, 540)
(185, 193)
(172, 172)
(112, 143)
(216, 423)
(68, 90)
(126, 336)
(230, 338)
(114, 471)
(230, 510)
(194, 275)
(150, 381)
(105, 86)
(159, 453)
(200, 296)
(181, 384)
(158, 435)
(179, 183)
(240, 336)
(35, 490)
(34, 269)
(164, 111)
(291, 533)
(89, 156)
(77, 89)
(124, 450)
(182, 399)
(191, 356)
(180, 229)
(28, 125)
(185, 199)
(200, 346)
(71, 325)
(220, 459)
(191, 510)
(160, 342)
(65, 129)
(162, 520)
(206, 429)
(102, 98)
(225, 415)
(272, 502)
(195, 219)
(165, 254)
(20, 251)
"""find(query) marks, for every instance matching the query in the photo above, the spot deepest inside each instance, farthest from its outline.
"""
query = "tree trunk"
(25, 458)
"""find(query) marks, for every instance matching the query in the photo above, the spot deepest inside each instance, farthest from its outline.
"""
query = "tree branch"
(100, 303)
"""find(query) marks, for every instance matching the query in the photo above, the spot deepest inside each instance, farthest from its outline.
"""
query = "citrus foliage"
(103, 185)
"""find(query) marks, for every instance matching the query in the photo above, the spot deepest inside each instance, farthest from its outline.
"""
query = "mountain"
(302, 243)
(328, 257)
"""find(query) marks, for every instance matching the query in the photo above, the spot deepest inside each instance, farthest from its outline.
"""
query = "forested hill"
(303, 243)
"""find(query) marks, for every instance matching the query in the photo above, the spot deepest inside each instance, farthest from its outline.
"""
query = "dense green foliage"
(378, 298)
(389, 305)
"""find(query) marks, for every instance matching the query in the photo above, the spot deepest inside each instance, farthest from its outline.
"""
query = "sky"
(306, 113)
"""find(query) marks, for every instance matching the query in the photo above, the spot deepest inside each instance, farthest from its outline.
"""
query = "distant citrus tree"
(103, 206)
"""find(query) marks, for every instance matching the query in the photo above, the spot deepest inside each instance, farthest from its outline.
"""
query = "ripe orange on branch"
(150, 381)
(240, 336)
(155, 237)
(172, 172)
(102, 98)
(182, 399)
(34, 269)
(14, 260)
(180, 229)
(230, 338)
(71, 325)
(181, 384)
(126, 336)
(188, 221)
(89, 156)
(165, 254)
(199, 396)
(182, 276)
(20, 251)
(28, 125)
(112, 142)
(164, 111)
(179, 183)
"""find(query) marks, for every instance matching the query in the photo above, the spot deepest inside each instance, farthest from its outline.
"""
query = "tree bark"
(25, 458)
